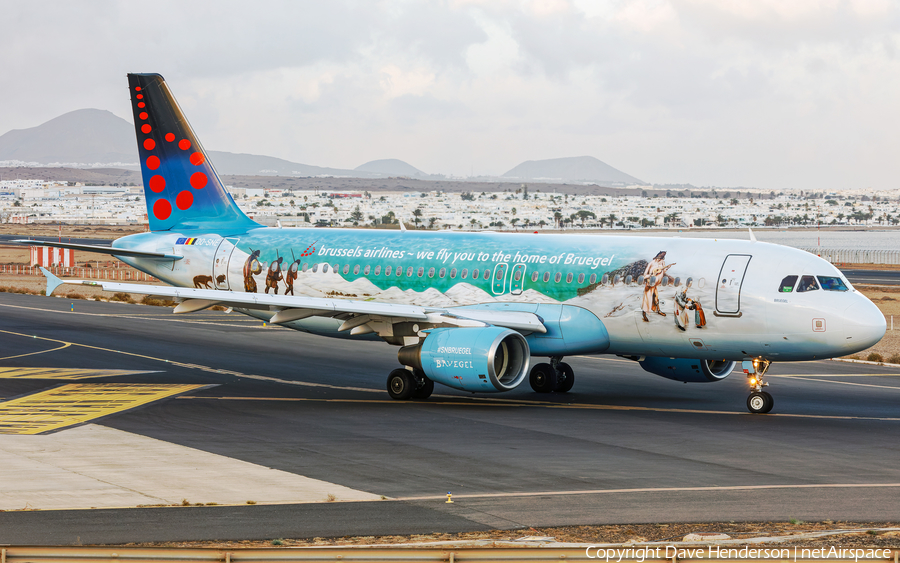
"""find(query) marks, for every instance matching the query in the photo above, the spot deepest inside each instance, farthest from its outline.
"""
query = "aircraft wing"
(359, 317)
(101, 249)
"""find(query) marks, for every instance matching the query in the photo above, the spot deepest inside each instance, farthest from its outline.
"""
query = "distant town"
(512, 207)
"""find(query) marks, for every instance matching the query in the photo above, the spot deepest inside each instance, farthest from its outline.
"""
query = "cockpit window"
(807, 283)
(787, 284)
(832, 283)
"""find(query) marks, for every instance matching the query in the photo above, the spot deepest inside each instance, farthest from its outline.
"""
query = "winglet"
(752, 236)
(52, 281)
(402, 226)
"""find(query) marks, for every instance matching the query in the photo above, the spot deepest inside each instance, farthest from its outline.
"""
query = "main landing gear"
(404, 384)
(557, 376)
(759, 401)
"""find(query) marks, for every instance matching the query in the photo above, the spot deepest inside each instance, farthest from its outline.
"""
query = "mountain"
(571, 169)
(92, 137)
(85, 136)
(390, 167)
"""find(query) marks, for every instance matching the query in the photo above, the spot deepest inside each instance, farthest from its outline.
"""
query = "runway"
(624, 446)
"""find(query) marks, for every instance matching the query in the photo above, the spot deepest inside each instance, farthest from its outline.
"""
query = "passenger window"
(464, 273)
(442, 273)
(487, 275)
(305, 266)
(367, 270)
(409, 271)
(377, 270)
(346, 269)
(535, 276)
(356, 270)
(518, 275)
(499, 274)
(807, 283)
(787, 284)
(387, 270)
(430, 273)
(569, 277)
(475, 274)
(324, 268)
(832, 283)
(421, 271)
(546, 277)
(453, 273)
(557, 277)
(337, 268)
(580, 278)
(315, 268)
(593, 279)
(399, 271)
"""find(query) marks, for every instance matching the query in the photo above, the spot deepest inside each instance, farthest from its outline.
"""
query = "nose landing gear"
(759, 401)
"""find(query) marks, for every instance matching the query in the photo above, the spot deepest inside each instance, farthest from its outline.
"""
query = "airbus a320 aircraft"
(469, 310)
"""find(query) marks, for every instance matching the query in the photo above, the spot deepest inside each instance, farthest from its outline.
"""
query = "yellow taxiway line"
(78, 403)
(63, 373)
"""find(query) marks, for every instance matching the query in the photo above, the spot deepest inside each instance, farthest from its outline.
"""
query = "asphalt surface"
(624, 446)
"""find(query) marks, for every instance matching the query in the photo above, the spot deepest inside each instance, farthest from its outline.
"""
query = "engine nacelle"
(484, 359)
(692, 371)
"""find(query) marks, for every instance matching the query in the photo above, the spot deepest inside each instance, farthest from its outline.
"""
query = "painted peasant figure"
(653, 275)
(251, 268)
(274, 275)
(684, 305)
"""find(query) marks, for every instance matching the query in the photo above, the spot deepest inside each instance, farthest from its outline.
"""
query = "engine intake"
(687, 370)
(486, 359)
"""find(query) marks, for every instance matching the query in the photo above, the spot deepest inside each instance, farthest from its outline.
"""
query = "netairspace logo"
(640, 554)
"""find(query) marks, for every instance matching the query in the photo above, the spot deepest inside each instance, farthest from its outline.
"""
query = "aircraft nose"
(864, 324)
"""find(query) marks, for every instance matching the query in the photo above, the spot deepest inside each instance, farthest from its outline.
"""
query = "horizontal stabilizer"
(52, 281)
(101, 249)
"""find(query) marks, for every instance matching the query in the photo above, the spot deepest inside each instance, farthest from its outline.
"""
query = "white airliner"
(469, 310)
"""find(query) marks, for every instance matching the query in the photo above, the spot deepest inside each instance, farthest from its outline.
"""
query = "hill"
(85, 136)
(572, 169)
(390, 167)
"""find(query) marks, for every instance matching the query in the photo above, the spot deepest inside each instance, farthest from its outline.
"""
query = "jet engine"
(485, 359)
(692, 371)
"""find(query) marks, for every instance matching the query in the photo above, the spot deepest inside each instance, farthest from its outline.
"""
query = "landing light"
(752, 381)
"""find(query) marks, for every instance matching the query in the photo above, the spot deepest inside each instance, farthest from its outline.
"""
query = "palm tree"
(417, 212)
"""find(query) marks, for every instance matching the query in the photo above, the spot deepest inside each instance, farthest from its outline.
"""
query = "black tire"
(401, 384)
(757, 402)
(542, 378)
(424, 390)
(565, 383)
(771, 402)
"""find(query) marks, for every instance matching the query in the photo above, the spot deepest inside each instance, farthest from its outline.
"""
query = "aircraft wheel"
(771, 401)
(760, 402)
(425, 388)
(542, 378)
(564, 385)
(401, 384)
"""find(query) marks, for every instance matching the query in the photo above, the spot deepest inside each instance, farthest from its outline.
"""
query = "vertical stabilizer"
(181, 186)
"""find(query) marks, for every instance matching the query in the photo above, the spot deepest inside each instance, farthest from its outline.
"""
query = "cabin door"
(220, 263)
(728, 286)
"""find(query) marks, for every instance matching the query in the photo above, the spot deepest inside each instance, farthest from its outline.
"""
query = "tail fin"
(181, 186)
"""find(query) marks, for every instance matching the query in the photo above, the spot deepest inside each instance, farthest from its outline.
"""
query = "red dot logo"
(198, 180)
(141, 104)
(170, 137)
(157, 183)
(162, 209)
(143, 115)
(145, 128)
(184, 200)
(152, 162)
(197, 159)
(184, 144)
(140, 96)
(149, 144)
(137, 88)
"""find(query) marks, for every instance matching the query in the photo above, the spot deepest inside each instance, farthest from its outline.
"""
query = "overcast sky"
(764, 93)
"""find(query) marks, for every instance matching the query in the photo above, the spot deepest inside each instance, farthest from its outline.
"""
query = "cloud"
(750, 92)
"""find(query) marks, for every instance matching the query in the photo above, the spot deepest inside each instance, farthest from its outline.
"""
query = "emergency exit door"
(728, 286)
